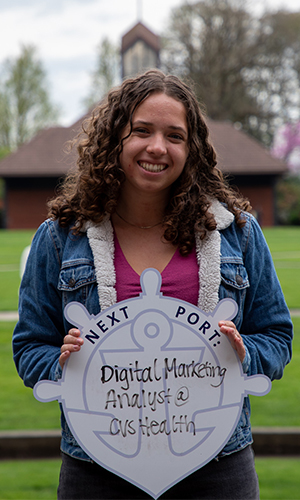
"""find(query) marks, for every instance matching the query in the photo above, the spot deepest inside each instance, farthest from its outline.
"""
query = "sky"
(66, 34)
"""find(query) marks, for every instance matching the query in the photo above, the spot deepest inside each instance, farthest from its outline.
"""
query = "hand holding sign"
(156, 390)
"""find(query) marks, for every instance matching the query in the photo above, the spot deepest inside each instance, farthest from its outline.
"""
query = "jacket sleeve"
(266, 327)
(39, 333)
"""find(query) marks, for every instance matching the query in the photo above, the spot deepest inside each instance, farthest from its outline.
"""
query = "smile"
(150, 167)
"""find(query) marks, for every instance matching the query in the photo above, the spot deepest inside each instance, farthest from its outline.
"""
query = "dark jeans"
(231, 477)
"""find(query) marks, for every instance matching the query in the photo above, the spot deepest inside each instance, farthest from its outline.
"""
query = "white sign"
(156, 390)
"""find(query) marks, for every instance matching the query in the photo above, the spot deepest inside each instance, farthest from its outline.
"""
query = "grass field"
(281, 406)
(19, 409)
(284, 244)
(23, 480)
(37, 480)
(12, 243)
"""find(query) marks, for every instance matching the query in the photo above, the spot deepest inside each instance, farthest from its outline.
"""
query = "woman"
(147, 193)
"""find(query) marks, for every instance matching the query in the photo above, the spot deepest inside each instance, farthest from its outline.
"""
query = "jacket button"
(72, 282)
(239, 279)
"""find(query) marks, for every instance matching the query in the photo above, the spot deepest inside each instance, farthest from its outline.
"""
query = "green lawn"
(30, 479)
(20, 410)
(279, 478)
(12, 243)
(281, 406)
(284, 243)
(22, 480)
(37, 479)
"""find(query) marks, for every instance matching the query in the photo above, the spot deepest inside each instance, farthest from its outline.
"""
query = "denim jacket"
(233, 262)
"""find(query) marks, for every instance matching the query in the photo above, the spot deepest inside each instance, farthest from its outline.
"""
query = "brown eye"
(140, 130)
(177, 137)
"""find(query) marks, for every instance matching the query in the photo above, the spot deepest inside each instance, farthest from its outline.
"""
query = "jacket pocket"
(76, 281)
(234, 283)
(234, 274)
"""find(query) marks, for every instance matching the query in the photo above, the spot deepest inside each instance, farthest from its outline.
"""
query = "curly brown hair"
(93, 189)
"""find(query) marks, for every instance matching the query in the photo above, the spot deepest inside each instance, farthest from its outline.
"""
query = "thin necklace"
(135, 225)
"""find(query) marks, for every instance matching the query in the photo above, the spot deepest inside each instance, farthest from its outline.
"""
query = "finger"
(74, 332)
(70, 339)
(66, 350)
(70, 348)
(227, 323)
(228, 328)
(63, 358)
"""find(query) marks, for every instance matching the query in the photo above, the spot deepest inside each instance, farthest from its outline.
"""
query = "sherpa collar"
(101, 240)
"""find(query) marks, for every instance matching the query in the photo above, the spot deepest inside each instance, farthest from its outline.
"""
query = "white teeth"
(152, 168)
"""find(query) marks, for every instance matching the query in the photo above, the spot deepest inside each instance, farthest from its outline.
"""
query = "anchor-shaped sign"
(156, 390)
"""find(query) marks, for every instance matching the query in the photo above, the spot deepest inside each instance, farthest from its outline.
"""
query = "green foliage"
(25, 107)
(4, 151)
(106, 73)
(236, 57)
(288, 200)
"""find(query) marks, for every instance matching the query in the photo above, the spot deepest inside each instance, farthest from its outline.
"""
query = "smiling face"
(155, 152)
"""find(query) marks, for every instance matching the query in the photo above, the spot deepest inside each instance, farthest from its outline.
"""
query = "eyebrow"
(172, 127)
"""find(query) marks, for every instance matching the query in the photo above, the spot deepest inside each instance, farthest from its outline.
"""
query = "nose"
(157, 145)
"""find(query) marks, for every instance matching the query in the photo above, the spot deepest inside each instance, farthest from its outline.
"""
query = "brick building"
(32, 172)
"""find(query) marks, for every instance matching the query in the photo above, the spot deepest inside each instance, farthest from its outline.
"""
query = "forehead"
(161, 106)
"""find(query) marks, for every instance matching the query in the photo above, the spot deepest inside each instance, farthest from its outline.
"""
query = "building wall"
(26, 207)
(138, 58)
(26, 200)
(262, 198)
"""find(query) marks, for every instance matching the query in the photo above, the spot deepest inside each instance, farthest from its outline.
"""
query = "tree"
(25, 106)
(288, 200)
(287, 145)
(274, 78)
(242, 70)
(106, 74)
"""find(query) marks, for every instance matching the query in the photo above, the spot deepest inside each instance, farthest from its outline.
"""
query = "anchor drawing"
(156, 391)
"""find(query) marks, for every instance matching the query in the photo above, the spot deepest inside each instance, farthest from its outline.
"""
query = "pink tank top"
(179, 278)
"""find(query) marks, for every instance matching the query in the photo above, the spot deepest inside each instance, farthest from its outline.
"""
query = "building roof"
(240, 154)
(140, 32)
(43, 156)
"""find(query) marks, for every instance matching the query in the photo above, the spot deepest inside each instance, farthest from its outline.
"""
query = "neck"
(141, 213)
(137, 225)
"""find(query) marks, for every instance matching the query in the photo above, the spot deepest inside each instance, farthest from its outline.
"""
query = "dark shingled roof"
(43, 156)
(239, 153)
